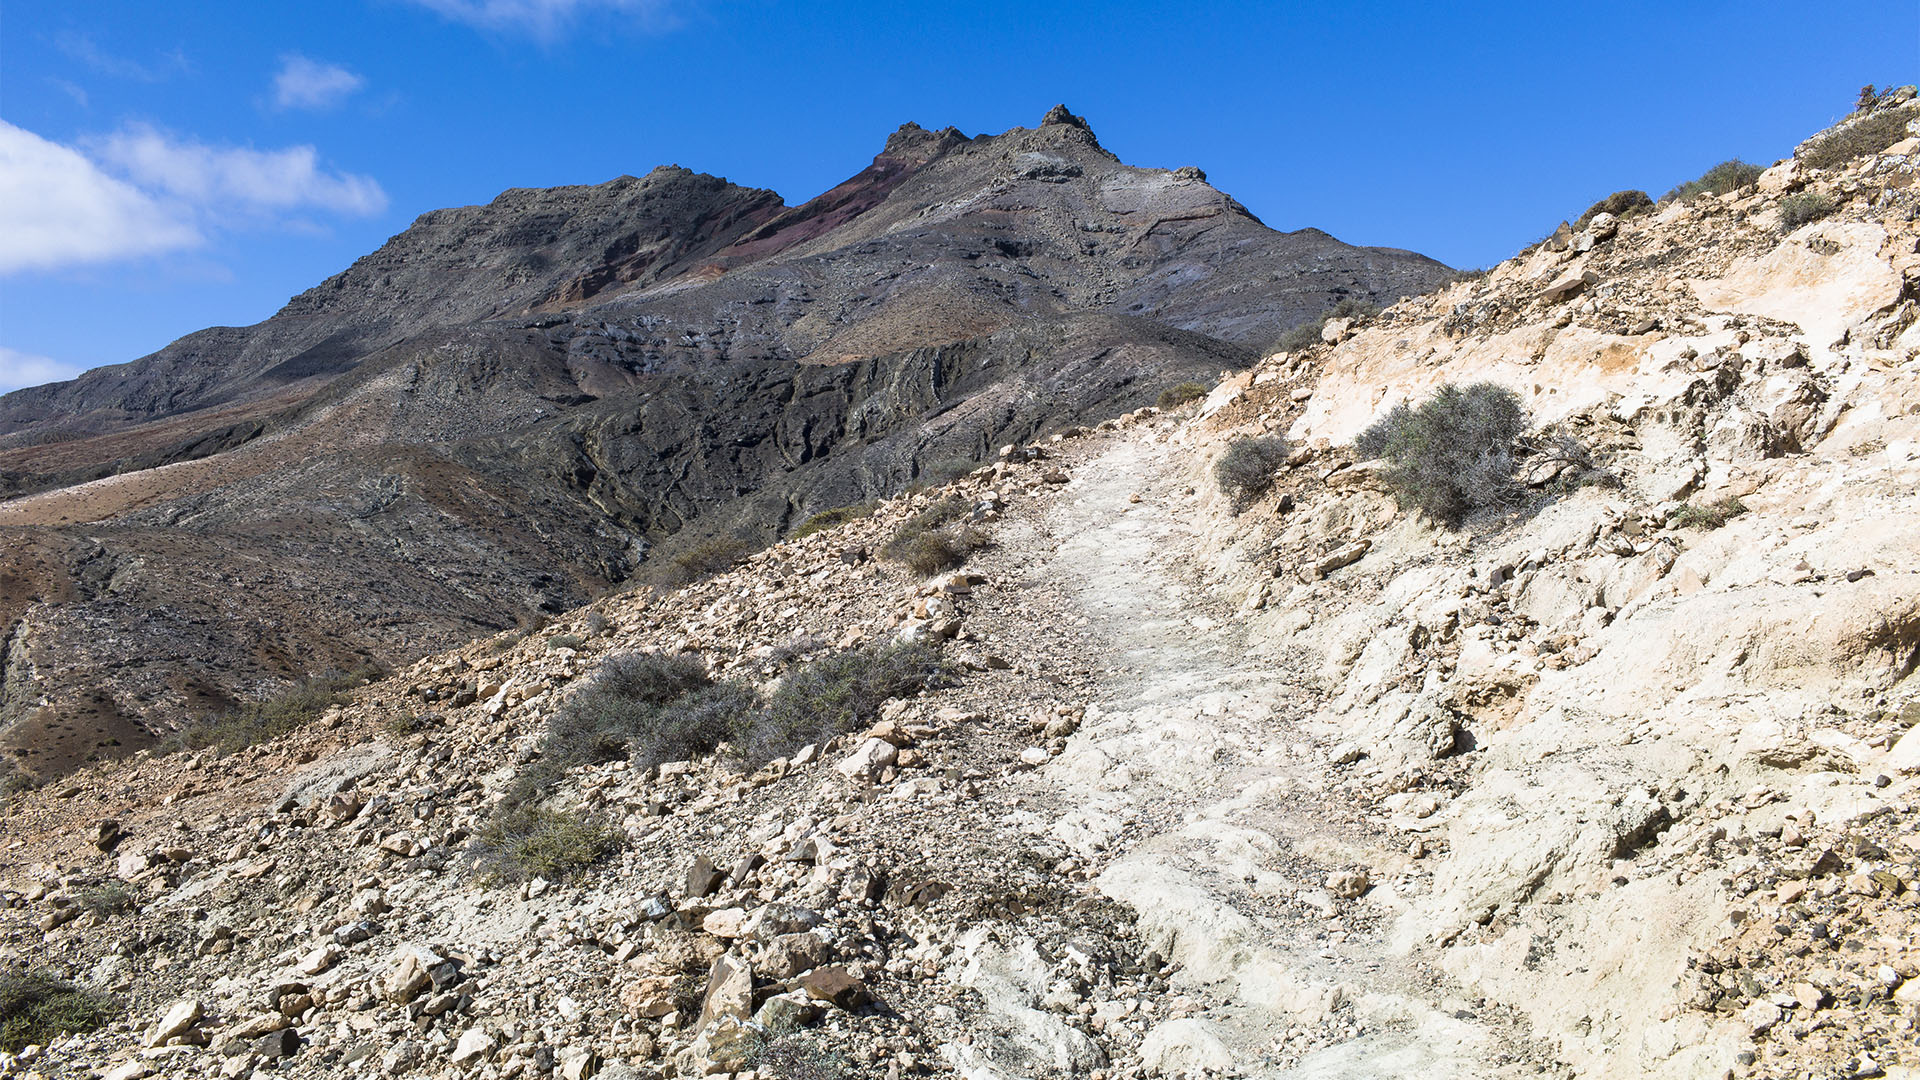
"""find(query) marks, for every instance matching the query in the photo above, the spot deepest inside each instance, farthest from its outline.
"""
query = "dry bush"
(1454, 454)
(36, 1008)
(1709, 516)
(258, 721)
(1308, 333)
(1620, 204)
(827, 519)
(528, 842)
(1175, 396)
(1247, 469)
(937, 538)
(1868, 135)
(1727, 176)
(835, 694)
(1803, 207)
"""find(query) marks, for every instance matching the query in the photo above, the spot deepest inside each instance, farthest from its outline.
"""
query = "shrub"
(1308, 333)
(256, 722)
(827, 519)
(1868, 135)
(835, 694)
(1620, 204)
(106, 901)
(928, 553)
(1722, 178)
(654, 709)
(1802, 207)
(715, 555)
(594, 624)
(36, 1008)
(1709, 516)
(528, 842)
(565, 641)
(619, 704)
(1454, 454)
(1247, 468)
(935, 539)
(1175, 396)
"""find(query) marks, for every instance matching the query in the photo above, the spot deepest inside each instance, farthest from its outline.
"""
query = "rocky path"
(1197, 790)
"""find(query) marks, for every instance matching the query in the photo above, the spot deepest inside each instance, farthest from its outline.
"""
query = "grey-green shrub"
(1803, 207)
(1710, 515)
(835, 694)
(1246, 470)
(524, 842)
(1453, 455)
(36, 1008)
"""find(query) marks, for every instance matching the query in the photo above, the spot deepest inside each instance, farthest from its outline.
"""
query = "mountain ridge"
(650, 363)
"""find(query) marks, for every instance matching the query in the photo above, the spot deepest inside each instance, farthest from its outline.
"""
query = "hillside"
(1616, 778)
(509, 409)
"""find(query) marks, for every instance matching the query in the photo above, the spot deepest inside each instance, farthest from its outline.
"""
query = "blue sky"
(168, 166)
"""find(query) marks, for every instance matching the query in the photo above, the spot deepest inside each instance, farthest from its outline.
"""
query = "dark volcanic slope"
(507, 408)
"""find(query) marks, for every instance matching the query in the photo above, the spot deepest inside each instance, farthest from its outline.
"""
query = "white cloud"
(141, 191)
(214, 178)
(541, 18)
(18, 369)
(309, 84)
(57, 208)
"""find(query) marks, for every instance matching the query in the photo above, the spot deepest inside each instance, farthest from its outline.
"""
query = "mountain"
(1262, 773)
(508, 409)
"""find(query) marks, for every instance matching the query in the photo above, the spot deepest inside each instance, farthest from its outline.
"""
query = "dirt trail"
(1203, 798)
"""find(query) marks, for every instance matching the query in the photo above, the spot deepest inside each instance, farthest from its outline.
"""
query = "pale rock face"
(1825, 277)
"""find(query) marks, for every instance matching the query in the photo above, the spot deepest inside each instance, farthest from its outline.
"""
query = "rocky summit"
(509, 409)
(1514, 681)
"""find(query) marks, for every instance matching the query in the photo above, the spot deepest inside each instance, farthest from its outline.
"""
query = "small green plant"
(1868, 135)
(935, 539)
(565, 641)
(1247, 469)
(1308, 333)
(285, 712)
(105, 901)
(827, 519)
(527, 842)
(1454, 455)
(36, 1008)
(1802, 207)
(1175, 396)
(1727, 176)
(1620, 204)
(1709, 516)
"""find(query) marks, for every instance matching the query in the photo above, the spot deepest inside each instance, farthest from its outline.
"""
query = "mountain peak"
(1059, 114)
